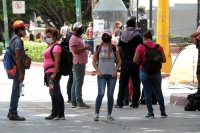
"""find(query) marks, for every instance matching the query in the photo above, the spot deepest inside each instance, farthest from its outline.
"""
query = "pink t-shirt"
(141, 49)
(81, 58)
(48, 61)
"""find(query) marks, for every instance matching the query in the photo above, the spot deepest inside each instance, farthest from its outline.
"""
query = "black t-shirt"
(118, 32)
(31, 37)
(128, 49)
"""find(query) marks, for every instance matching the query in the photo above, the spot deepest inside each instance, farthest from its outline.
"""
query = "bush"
(35, 50)
(1, 49)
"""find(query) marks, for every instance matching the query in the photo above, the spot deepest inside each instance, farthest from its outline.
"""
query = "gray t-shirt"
(17, 44)
(106, 65)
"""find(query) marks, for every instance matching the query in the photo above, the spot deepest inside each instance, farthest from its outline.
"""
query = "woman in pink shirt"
(150, 80)
(51, 68)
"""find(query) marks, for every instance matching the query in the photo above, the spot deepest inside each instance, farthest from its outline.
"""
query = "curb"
(179, 99)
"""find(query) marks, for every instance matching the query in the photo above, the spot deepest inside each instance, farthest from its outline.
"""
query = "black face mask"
(79, 31)
(106, 40)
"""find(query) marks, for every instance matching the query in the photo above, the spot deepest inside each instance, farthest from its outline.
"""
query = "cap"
(19, 23)
(77, 25)
(108, 32)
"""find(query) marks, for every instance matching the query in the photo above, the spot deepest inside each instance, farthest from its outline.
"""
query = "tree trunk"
(53, 10)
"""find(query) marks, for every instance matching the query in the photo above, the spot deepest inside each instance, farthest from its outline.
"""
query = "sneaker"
(134, 106)
(8, 116)
(163, 115)
(69, 101)
(16, 118)
(117, 106)
(110, 117)
(83, 106)
(74, 105)
(125, 103)
(61, 117)
(96, 117)
(52, 117)
(150, 116)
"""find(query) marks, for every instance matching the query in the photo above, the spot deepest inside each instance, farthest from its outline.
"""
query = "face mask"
(49, 40)
(79, 31)
(23, 33)
(106, 40)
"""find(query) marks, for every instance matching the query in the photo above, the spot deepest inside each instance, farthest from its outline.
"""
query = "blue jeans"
(102, 82)
(91, 43)
(78, 78)
(69, 85)
(149, 82)
(14, 97)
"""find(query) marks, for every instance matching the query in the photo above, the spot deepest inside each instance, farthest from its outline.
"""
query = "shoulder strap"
(145, 46)
(156, 47)
(98, 49)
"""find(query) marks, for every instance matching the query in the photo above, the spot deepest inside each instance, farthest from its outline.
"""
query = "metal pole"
(78, 11)
(198, 13)
(137, 10)
(150, 14)
(5, 24)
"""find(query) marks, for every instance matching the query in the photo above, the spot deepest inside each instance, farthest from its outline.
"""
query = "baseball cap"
(108, 32)
(19, 23)
(77, 25)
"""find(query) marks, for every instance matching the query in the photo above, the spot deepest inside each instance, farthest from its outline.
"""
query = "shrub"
(35, 50)
(1, 49)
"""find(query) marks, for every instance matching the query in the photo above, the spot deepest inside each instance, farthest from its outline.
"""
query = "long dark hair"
(148, 35)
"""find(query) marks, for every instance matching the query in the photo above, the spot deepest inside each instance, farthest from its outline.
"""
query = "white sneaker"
(96, 117)
(110, 117)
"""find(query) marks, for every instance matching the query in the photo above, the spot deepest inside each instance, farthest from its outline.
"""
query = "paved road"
(36, 104)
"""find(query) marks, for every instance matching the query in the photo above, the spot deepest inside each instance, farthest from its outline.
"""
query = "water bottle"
(51, 84)
(21, 87)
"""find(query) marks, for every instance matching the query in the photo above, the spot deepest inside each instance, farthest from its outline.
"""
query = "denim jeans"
(14, 96)
(91, 43)
(149, 82)
(102, 82)
(69, 86)
(129, 71)
(58, 106)
(78, 78)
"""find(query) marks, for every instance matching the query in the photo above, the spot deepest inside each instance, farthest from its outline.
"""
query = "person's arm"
(94, 63)
(19, 64)
(163, 57)
(136, 58)
(194, 36)
(119, 46)
(61, 31)
(57, 59)
(77, 50)
(87, 32)
(119, 62)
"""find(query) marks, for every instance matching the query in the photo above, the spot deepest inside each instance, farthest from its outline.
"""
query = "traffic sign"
(18, 7)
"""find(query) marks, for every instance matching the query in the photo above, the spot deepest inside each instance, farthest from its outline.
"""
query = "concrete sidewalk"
(36, 104)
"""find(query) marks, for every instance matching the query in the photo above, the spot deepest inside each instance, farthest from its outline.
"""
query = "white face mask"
(49, 40)
(23, 33)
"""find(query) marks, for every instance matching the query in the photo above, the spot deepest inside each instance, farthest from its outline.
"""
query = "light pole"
(5, 23)
(150, 14)
(198, 12)
(78, 11)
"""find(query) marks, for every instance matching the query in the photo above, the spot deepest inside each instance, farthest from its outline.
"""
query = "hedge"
(35, 50)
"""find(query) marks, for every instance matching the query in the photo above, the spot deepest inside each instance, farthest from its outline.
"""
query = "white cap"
(77, 25)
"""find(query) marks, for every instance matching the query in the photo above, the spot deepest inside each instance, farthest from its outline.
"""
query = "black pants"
(69, 85)
(129, 71)
(58, 106)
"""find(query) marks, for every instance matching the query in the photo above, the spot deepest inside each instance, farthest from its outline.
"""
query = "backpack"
(9, 64)
(98, 49)
(65, 41)
(66, 62)
(153, 59)
(194, 102)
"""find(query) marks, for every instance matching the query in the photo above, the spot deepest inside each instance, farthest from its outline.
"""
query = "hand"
(21, 77)
(87, 47)
(114, 74)
(52, 77)
(99, 73)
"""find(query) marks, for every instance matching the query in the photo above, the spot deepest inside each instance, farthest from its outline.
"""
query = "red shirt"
(141, 49)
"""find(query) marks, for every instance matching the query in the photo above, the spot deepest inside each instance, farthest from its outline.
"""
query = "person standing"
(51, 69)
(80, 58)
(31, 36)
(106, 73)
(128, 42)
(150, 80)
(90, 33)
(64, 30)
(18, 53)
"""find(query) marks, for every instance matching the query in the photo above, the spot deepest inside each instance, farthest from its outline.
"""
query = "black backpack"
(153, 59)
(65, 41)
(194, 102)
